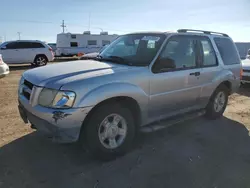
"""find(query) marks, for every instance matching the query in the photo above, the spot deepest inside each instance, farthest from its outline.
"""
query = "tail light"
(241, 73)
(50, 49)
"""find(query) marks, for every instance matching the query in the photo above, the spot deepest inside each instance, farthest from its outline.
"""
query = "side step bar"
(172, 121)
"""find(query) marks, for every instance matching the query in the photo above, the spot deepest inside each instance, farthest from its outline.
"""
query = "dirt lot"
(195, 154)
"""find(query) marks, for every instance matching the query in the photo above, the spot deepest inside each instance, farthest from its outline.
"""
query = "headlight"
(20, 89)
(56, 99)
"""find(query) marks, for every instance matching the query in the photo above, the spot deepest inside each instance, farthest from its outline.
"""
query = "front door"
(177, 87)
(10, 53)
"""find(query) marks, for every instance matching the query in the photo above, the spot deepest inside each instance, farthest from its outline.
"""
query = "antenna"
(19, 35)
(89, 21)
(99, 28)
(63, 25)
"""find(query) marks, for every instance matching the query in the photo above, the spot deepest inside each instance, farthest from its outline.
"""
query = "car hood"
(246, 64)
(93, 54)
(56, 75)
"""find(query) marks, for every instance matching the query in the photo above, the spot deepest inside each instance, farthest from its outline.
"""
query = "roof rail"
(201, 31)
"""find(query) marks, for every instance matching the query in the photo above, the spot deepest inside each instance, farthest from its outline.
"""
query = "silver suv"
(138, 79)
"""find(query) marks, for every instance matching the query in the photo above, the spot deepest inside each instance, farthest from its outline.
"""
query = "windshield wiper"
(118, 59)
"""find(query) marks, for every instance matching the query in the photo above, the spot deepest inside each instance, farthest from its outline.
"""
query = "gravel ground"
(195, 154)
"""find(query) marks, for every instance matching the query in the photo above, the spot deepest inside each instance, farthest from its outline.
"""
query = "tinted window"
(36, 45)
(92, 42)
(209, 57)
(74, 44)
(181, 51)
(73, 36)
(11, 45)
(227, 51)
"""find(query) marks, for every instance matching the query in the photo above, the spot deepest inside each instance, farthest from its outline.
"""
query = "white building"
(69, 44)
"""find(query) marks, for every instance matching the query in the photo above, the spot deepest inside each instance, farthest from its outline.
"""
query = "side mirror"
(166, 64)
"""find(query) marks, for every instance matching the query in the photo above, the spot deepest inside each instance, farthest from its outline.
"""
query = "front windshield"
(136, 49)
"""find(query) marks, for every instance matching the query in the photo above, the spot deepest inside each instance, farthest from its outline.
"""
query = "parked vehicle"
(4, 69)
(69, 44)
(53, 47)
(138, 79)
(26, 51)
(93, 54)
(246, 71)
(243, 49)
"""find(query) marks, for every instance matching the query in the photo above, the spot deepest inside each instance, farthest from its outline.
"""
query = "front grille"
(245, 78)
(28, 84)
(245, 70)
(26, 94)
(27, 89)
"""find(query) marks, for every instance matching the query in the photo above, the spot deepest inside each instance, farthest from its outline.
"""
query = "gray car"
(138, 79)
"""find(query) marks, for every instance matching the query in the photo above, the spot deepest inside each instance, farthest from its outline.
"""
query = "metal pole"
(89, 20)
(63, 26)
(19, 35)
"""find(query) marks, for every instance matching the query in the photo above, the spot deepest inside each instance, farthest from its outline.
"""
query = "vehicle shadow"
(20, 67)
(244, 90)
(198, 153)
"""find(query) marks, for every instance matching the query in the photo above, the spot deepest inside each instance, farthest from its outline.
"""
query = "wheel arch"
(124, 101)
(41, 55)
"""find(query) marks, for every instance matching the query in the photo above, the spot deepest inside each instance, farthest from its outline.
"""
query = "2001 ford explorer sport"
(138, 79)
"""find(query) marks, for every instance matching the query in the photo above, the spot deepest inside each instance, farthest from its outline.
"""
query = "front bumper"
(245, 77)
(4, 70)
(62, 125)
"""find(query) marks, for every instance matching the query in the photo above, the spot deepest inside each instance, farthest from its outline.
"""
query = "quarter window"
(228, 51)
(36, 45)
(180, 50)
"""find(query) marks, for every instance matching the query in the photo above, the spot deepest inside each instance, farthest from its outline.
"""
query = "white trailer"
(69, 44)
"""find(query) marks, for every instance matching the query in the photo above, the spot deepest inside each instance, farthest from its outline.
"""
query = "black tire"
(89, 136)
(211, 113)
(40, 60)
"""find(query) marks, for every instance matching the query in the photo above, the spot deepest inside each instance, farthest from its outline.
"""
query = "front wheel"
(217, 103)
(109, 132)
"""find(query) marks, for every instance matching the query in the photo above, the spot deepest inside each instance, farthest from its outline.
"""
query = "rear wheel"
(217, 103)
(40, 60)
(109, 132)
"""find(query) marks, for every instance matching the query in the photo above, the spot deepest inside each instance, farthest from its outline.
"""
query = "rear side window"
(227, 51)
(23, 45)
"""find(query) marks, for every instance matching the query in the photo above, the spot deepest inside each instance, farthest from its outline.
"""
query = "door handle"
(195, 74)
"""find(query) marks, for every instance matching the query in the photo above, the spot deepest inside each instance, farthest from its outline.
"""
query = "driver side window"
(178, 54)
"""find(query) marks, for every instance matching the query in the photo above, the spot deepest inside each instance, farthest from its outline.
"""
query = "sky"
(41, 20)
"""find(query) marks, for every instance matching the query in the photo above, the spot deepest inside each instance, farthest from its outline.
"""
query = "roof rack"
(201, 31)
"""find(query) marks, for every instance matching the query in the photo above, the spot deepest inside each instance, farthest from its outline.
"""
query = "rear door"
(26, 53)
(176, 89)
